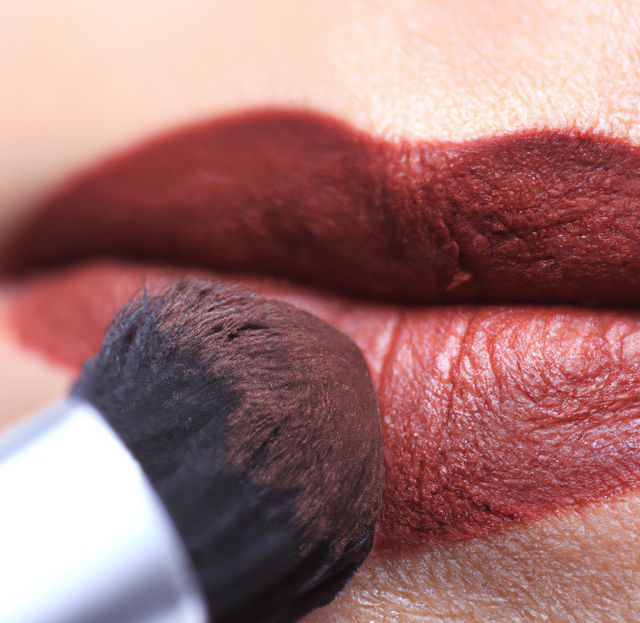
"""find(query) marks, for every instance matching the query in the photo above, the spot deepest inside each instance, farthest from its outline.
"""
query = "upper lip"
(533, 216)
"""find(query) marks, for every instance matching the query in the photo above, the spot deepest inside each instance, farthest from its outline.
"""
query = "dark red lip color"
(490, 415)
(534, 216)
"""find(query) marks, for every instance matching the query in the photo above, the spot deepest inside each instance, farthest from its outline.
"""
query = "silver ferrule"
(84, 537)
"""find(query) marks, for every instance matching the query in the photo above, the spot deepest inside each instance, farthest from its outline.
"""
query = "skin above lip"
(491, 415)
(544, 216)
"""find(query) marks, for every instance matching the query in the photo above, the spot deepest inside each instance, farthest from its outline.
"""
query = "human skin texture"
(87, 81)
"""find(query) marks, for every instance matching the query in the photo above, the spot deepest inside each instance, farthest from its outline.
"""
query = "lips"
(536, 216)
(492, 415)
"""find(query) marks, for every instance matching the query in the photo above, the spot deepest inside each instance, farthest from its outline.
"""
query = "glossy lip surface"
(545, 216)
(490, 415)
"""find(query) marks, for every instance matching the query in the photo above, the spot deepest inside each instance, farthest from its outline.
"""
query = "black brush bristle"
(258, 426)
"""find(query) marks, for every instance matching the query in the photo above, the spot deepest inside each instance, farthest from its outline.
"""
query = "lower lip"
(491, 416)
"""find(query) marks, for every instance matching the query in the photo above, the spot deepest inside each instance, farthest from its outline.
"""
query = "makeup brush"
(218, 459)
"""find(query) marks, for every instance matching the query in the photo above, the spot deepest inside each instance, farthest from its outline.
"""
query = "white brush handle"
(83, 536)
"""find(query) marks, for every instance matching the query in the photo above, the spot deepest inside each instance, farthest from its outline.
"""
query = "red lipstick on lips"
(539, 216)
(491, 415)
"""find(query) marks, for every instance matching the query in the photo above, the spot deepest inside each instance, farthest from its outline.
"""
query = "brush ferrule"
(83, 535)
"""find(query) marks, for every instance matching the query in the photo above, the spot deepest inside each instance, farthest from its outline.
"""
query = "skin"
(89, 79)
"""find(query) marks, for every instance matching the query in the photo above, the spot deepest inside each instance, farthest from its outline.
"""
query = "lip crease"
(492, 415)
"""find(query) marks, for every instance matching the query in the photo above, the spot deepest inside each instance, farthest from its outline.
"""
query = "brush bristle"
(258, 426)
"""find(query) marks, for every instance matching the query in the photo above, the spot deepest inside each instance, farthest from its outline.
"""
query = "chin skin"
(580, 565)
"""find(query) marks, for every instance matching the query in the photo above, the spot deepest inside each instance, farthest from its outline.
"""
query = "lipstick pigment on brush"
(254, 425)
